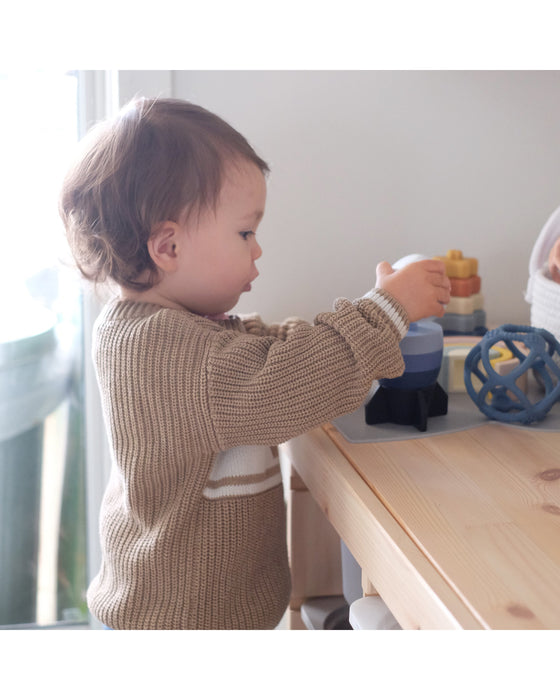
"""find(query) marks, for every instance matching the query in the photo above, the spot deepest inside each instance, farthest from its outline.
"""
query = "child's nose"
(257, 251)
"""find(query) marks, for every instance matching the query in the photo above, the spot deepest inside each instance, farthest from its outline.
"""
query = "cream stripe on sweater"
(193, 520)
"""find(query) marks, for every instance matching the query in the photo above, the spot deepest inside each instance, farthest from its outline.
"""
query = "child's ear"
(162, 245)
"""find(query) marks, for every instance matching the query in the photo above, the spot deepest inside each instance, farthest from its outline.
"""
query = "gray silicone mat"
(461, 415)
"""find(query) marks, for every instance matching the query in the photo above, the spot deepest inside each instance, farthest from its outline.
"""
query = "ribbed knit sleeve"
(263, 390)
(255, 326)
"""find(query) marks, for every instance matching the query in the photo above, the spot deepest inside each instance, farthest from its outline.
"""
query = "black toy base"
(406, 407)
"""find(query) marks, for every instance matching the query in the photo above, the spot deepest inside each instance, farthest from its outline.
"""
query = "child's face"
(217, 251)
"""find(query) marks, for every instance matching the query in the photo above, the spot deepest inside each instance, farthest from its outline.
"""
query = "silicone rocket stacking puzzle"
(415, 396)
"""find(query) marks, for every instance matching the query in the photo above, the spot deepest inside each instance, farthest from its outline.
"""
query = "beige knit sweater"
(192, 523)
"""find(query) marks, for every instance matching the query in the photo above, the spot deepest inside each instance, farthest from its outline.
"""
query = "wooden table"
(460, 530)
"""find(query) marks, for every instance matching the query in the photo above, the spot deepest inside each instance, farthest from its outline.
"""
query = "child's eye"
(245, 234)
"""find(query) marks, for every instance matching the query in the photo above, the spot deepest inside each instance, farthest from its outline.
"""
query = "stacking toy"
(414, 396)
(465, 314)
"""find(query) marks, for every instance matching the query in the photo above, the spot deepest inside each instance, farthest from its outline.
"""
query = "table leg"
(314, 550)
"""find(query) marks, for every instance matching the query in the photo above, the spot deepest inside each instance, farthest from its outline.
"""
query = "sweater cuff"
(391, 307)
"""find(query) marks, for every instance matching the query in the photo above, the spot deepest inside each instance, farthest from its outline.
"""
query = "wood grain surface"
(483, 507)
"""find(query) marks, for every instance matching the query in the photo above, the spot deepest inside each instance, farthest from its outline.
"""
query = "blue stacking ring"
(422, 351)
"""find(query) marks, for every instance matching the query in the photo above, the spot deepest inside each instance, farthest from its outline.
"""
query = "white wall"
(373, 165)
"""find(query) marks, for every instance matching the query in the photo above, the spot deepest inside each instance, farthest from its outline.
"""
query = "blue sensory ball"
(499, 397)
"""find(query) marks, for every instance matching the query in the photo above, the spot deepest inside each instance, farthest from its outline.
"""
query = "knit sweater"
(193, 523)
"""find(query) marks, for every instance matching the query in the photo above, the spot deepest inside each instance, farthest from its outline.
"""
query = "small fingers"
(437, 266)
(443, 290)
(441, 283)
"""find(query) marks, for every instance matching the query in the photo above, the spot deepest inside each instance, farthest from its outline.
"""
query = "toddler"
(164, 201)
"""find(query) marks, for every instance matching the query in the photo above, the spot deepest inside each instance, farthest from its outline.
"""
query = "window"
(43, 563)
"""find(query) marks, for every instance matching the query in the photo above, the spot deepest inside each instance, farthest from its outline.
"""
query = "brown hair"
(158, 160)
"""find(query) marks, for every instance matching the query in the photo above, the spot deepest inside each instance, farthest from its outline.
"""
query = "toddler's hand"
(554, 262)
(421, 287)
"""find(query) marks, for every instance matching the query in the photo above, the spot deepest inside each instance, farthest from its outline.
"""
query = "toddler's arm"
(421, 287)
(554, 262)
(265, 390)
(256, 326)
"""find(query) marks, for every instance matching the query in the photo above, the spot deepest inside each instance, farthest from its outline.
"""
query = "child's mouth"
(248, 286)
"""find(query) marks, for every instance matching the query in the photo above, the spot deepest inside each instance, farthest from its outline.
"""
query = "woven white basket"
(542, 292)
